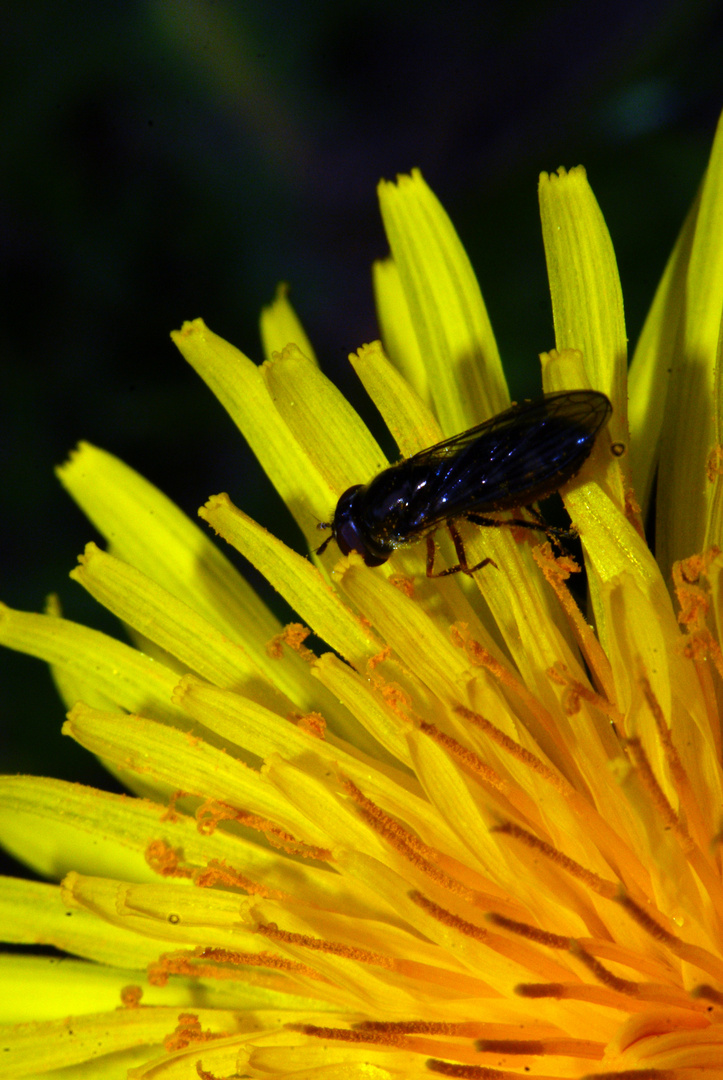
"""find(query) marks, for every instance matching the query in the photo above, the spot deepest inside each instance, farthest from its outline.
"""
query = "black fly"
(510, 461)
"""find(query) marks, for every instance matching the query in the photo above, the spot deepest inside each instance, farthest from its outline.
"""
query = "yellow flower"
(479, 836)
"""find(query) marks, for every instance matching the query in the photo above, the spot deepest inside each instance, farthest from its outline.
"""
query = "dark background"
(166, 160)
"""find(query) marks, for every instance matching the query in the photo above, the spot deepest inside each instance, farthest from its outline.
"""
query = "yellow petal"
(110, 1042)
(587, 302)
(34, 913)
(171, 757)
(395, 323)
(145, 529)
(54, 826)
(412, 425)
(262, 733)
(652, 363)
(239, 385)
(182, 632)
(693, 423)
(445, 304)
(112, 674)
(281, 326)
(342, 450)
(354, 690)
(300, 583)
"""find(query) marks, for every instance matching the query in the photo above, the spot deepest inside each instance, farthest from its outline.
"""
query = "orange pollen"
(556, 574)
(274, 648)
(560, 675)
(204, 1074)
(394, 697)
(170, 813)
(671, 753)
(560, 565)
(262, 959)
(693, 598)
(694, 605)
(379, 658)
(418, 1027)
(644, 920)
(218, 871)
(695, 824)
(467, 1029)
(161, 858)
(608, 995)
(131, 996)
(701, 645)
(633, 511)
(692, 954)
(294, 635)
(689, 571)
(698, 646)
(714, 464)
(211, 813)
(188, 1031)
(403, 583)
(599, 885)
(313, 722)
(374, 814)
(716, 654)
(480, 657)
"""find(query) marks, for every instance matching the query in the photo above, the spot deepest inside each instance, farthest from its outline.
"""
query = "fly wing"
(512, 459)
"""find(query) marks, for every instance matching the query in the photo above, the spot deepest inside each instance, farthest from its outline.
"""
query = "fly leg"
(552, 532)
(558, 536)
(462, 566)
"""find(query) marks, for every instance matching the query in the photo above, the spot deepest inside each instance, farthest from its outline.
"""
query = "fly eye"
(349, 538)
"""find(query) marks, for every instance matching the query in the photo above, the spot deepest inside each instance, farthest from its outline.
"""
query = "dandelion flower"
(477, 833)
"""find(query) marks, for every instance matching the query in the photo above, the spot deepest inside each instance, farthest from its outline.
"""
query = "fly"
(510, 461)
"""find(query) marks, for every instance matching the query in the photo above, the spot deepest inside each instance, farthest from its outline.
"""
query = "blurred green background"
(166, 160)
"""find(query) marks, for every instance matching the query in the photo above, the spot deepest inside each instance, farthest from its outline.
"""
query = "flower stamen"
(512, 747)
(533, 933)
(187, 965)
(557, 571)
(413, 849)
(593, 881)
(576, 1048)
(467, 1072)
(352, 1035)
(692, 954)
(467, 757)
(650, 783)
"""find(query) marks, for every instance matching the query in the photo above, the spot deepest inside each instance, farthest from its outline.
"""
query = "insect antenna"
(325, 525)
